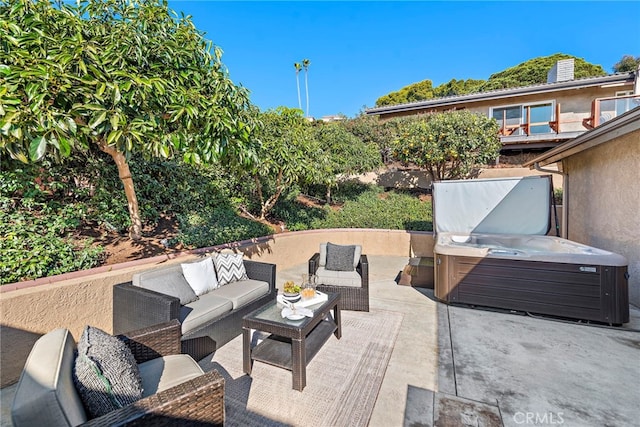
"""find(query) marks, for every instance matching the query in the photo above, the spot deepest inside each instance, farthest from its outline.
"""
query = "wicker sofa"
(353, 286)
(46, 395)
(207, 324)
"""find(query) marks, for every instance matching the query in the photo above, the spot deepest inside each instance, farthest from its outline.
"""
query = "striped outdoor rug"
(343, 379)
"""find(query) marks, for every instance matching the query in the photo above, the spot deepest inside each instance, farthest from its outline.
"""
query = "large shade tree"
(126, 76)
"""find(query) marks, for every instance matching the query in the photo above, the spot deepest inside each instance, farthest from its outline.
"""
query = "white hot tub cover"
(520, 205)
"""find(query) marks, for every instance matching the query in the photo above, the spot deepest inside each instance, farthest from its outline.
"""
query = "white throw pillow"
(201, 276)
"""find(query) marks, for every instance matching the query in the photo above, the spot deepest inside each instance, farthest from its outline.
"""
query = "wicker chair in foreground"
(177, 391)
(345, 270)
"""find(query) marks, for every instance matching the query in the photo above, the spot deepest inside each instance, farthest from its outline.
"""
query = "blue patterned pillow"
(105, 373)
(229, 268)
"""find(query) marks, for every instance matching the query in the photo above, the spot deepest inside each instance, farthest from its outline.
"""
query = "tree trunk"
(298, 84)
(135, 232)
(328, 195)
(271, 201)
(306, 87)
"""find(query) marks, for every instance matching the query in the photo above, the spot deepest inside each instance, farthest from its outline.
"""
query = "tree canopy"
(627, 63)
(535, 71)
(448, 145)
(128, 76)
(411, 93)
(286, 157)
(346, 155)
(530, 72)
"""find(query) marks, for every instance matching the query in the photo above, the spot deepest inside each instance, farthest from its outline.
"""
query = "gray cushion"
(323, 255)
(45, 394)
(242, 292)
(168, 371)
(339, 257)
(166, 280)
(338, 278)
(105, 373)
(202, 311)
(229, 268)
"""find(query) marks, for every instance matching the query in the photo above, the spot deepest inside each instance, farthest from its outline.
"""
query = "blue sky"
(362, 50)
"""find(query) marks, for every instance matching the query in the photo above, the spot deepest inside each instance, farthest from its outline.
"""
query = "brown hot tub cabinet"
(521, 268)
(597, 293)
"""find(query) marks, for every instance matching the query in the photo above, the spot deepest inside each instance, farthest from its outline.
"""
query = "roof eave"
(487, 96)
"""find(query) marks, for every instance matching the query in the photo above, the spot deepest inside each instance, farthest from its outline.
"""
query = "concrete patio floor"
(457, 366)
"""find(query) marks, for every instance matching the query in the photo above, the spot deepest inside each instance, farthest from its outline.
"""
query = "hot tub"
(521, 268)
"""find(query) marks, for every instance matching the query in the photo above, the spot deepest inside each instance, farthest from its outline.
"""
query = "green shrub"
(348, 190)
(34, 241)
(557, 196)
(210, 227)
(363, 206)
(295, 215)
(43, 206)
(374, 209)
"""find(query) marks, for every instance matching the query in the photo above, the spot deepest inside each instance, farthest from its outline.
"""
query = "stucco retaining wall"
(604, 201)
(74, 300)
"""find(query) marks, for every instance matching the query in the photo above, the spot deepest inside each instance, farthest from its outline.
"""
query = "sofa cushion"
(105, 373)
(229, 268)
(338, 278)
(339, 257)
(323, 255)
(200, 275)
(242, 292)
(166, 280)
(197, 313)
(45, 394)
(165, 372)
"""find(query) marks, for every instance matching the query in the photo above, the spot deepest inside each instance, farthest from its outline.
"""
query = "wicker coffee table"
(292, 344)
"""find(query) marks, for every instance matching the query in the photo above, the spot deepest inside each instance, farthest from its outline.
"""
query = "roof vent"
(561, 71)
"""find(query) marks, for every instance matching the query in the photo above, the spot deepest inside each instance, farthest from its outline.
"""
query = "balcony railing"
(602, 110)
(605, 109)
(527, 128)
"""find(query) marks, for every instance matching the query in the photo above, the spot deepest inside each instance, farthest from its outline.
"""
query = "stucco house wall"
(604, 201)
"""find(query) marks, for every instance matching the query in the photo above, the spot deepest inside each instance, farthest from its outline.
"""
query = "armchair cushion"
(46, 394)
(200, 275)
(168, 281)
(323, 254)
(338, 278)
(230, 268)
(105, 373)
(165, 372)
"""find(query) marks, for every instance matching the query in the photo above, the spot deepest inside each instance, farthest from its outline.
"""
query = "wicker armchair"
(46, 392)
(354, 298)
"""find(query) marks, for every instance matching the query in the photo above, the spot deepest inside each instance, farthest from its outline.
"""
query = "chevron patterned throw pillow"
(229, 268)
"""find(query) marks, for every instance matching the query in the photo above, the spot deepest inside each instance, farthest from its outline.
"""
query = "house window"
(524, 119)
(509, 119)
(623, 105)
